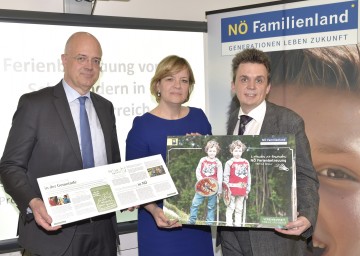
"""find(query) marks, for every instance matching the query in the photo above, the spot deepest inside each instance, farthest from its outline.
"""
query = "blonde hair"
(211, 144)
(168, 66)
(237, 143)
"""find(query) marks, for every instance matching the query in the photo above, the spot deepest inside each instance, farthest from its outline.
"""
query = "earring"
(158, 94)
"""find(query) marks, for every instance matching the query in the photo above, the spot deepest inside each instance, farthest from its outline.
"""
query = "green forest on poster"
(272, 199)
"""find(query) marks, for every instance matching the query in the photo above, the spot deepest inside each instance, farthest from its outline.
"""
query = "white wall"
(159, 9)
(154, 9)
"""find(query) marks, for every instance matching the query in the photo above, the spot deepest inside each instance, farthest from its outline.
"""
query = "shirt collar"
(257, 113)
(71, 94)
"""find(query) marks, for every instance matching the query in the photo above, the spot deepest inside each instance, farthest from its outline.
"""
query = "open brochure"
(241, 181)
(82, 194)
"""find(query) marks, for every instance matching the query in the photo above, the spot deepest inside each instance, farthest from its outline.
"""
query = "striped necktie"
(244, 120)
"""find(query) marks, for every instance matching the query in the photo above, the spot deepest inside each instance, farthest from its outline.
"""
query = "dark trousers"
(92, 238)
(235, 243)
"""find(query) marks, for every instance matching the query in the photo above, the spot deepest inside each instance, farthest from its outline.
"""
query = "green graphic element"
(104, 198)
(270, 221)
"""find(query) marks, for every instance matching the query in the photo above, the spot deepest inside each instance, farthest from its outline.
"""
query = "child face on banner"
(212, 152)
(332, 123)
(237, 152)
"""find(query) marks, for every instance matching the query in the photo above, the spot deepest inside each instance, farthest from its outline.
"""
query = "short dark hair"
(251, 55)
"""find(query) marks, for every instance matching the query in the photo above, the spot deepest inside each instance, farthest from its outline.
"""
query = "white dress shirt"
(97, 136)
(254, 126)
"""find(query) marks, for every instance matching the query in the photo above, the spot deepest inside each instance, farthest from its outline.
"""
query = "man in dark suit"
(45, 140)
(251, 84)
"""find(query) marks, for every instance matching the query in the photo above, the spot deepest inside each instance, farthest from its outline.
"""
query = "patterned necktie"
(244, 120)
(86, 143)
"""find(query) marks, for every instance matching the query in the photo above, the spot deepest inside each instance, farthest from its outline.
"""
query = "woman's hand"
(131, 209)
(193, 134)
(159, 216)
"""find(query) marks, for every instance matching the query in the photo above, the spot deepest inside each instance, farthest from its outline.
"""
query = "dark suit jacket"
(281, 120)
(42, 142)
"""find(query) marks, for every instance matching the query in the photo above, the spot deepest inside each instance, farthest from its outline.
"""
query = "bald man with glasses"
(46, 138)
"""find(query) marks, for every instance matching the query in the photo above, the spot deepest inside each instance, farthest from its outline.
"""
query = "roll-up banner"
(314, 52)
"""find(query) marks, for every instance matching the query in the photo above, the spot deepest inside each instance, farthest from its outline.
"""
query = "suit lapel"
(63, 109)
(270, 124)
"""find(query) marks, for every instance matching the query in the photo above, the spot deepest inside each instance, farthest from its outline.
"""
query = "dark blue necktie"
(244, 120)
(86, 143)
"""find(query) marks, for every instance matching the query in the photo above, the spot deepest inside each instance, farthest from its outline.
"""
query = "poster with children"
(232, 180)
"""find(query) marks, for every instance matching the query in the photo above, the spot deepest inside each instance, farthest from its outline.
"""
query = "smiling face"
(251, 85)
(237, 152)
(332, 121)
(212, 152)
(174, 88)
(81, 62)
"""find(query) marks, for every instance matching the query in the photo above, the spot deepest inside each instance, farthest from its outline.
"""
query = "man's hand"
(295, 228)
(41, 216)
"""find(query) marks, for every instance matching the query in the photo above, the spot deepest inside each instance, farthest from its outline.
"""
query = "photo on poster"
(231, 180)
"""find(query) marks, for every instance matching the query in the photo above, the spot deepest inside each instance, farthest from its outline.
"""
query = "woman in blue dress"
(171, 85)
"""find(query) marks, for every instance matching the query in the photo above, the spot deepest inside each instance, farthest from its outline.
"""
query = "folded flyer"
(86, 193)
